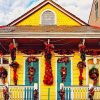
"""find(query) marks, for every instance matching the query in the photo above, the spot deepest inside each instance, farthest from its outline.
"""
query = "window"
(4, 60)
(96, 9)
(48, 18)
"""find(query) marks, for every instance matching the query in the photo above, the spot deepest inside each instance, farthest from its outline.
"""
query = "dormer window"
(96, 9)
(48, 18)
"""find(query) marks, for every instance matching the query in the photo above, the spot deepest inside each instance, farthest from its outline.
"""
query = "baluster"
(65, 94)
(72, 92)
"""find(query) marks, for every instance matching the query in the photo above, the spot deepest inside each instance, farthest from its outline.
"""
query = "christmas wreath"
(81, 65)
(94, 74)
(31, 59)
(31, 72)
(3, 74)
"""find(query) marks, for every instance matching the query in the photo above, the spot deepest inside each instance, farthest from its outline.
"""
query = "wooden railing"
(80, 93)
(71, 93)
(18, 92)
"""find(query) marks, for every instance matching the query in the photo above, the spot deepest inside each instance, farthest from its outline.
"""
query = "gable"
(62, 17)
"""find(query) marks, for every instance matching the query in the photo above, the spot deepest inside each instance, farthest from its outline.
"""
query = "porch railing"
(80, 93)
(18, 92)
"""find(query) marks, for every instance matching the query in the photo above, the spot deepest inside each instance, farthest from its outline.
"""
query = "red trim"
(10, 24)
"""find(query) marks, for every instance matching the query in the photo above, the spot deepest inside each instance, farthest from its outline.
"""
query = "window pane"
(5, 61)
(48, 18)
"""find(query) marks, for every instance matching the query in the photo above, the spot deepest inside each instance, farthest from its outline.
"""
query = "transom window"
(48, 18)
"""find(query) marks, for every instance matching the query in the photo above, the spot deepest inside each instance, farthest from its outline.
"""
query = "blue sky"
(12, 9)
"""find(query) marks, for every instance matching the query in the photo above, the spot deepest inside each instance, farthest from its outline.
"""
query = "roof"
(27, 14)
(79, 29)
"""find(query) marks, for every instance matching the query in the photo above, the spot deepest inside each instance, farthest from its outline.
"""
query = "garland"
(63, 73)
(94, 74)
(62, 94)
(31, 69)
(35, 94)
(31, 59)
(91, 93)
(31, 72)
(63, 60)
(48, 77)
(6, 93)
(81, 65)
(3, 74)
(14, 64)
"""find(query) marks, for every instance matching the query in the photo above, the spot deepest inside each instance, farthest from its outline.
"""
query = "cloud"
(12, 9)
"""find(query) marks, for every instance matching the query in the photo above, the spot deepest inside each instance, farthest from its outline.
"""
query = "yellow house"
(49, 22)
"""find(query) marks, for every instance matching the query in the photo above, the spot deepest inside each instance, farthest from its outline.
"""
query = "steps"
(44, 88)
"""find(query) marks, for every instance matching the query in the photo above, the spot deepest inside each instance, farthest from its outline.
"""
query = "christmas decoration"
(15, 66)
(48, 77)
(35, 94)
(3, 74)
(93, 52)
(63, 72)
(91, 93)
(31, 59)
(81, 65)
(31, 72)
(12, 48)
(30, 51)
(82, 50)
(63, 60)
(66, 51)
(62, 94)
(94, 74)
(6, 93)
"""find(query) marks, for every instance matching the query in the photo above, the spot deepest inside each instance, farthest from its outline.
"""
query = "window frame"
(55, 19)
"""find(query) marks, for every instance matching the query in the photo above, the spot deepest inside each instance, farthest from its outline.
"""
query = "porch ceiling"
(38, 43)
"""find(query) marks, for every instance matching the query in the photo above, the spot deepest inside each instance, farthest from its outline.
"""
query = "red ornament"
(62, 94)
(91, 93)
(6, 93)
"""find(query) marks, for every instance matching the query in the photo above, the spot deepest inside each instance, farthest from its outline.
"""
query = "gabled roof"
(27, 14)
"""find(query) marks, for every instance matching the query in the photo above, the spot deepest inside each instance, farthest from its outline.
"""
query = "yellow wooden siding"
(20, 71)
(61, 18)
(43, 87)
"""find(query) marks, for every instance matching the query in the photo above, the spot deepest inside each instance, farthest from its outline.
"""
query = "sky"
(12, 9)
